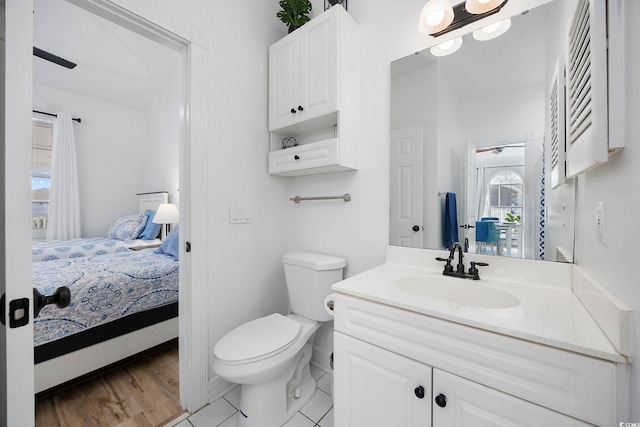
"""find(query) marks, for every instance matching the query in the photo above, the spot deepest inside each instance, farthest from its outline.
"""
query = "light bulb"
(483, 1)
(491, 28)
(446, 45)
(447, 48)
(435, 17)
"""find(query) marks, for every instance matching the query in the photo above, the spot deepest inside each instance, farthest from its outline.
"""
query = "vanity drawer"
(304, 157)
(577, 385)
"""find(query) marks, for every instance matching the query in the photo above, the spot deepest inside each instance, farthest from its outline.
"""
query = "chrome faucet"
(459, 271)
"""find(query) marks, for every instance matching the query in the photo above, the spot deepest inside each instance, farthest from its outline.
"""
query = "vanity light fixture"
(462, 16)
(447, 48)
(482, 6)
(436, 15)
(492, 31)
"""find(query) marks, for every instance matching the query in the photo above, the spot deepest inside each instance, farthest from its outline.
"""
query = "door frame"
(16, 343)
(144, 18)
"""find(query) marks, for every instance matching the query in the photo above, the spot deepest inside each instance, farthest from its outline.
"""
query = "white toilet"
(270, 356)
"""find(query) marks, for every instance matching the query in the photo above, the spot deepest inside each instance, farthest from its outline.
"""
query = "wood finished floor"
(142, 393)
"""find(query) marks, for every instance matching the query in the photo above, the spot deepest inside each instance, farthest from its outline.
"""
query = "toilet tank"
(309, 278)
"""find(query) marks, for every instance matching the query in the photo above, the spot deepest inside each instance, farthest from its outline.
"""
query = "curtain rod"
(79, 120)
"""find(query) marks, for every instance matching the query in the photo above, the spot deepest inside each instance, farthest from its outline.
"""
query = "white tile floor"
(224, 411)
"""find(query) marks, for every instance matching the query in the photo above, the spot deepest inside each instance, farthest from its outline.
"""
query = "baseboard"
(218, 387)
(321, 358)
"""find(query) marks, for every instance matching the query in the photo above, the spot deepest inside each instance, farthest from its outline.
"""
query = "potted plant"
(512, 218)
(294, 13)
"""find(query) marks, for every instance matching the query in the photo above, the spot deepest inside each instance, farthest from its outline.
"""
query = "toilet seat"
(257, 340)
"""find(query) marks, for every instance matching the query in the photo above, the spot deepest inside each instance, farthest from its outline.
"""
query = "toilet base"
(270, 404)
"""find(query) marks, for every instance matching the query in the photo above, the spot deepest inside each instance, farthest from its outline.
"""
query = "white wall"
(121, 151)
(109, 146)
(160, 163)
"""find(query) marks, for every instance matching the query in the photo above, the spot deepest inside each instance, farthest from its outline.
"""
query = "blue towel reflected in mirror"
(450, 234)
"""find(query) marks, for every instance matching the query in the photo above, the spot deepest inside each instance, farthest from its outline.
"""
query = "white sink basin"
(458, 291)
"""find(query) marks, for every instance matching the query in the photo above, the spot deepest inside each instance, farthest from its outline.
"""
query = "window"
(40, 178)
(506, 191)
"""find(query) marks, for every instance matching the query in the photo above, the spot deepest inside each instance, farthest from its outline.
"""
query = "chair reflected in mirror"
(487, 236)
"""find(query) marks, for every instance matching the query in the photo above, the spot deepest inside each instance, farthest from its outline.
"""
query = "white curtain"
(64, 197)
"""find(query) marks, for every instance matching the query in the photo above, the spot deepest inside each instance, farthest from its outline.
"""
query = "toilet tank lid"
(314, 261)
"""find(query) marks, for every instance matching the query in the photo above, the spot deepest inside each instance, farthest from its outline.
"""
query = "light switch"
(240, 214)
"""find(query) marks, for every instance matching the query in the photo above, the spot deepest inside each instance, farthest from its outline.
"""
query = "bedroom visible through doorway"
(129, 91)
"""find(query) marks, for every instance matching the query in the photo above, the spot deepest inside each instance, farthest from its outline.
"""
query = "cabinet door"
(284, 82)
(377, 388)
(319, 66)
(459, 402)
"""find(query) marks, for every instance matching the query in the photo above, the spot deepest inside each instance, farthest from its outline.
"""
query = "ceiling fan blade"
(53, 58)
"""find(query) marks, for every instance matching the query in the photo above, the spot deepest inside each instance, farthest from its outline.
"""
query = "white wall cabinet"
(313, 87)
(383, 355)
(303, 73)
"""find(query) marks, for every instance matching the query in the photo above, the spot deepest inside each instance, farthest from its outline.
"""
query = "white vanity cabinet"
(375, 387)
(313, 86)
(469, 377)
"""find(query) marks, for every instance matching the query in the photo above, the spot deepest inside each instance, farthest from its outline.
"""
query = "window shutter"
(587, 144)
(556, 138)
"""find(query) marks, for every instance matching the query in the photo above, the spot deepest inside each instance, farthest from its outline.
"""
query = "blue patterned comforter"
(48, 250)
(103, 288)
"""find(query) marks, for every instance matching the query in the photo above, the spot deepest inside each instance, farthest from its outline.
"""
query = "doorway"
(192, 47)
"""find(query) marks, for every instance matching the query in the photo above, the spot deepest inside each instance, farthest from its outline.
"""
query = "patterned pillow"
(127, 226)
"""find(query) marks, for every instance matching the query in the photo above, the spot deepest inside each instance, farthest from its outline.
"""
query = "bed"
(122, 303)
(128, 231)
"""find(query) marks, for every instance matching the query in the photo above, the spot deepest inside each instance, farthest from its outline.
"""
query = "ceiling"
(115, 64)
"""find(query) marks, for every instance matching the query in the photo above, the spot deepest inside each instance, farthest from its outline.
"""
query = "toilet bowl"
(270, 356)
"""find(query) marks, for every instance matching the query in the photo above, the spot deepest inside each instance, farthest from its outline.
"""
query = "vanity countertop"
(547, 314)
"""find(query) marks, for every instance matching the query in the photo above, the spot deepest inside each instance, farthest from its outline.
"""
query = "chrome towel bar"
(298, 199)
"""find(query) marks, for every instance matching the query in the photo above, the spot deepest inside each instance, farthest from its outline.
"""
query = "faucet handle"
(473, 270)
(448, 267)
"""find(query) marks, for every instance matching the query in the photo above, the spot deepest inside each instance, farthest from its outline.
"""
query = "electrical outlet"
(601, 235)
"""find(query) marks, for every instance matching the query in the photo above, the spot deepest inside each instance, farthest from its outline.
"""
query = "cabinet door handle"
(441, 400)
(300, 108)
(419, 391)
(293, 111)
(296, 157)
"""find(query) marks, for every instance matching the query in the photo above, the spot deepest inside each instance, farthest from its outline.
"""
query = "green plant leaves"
(294, 12)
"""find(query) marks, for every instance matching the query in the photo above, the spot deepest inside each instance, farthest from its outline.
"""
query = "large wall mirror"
(473, 124)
